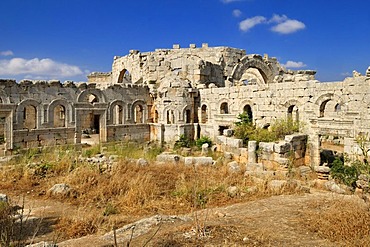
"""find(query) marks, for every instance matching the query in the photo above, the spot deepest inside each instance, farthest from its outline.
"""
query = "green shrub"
(183, 142)
(203, 140)
(347, 175)
(245, 130)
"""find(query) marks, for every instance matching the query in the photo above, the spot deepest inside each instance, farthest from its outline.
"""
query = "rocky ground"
(273, 221)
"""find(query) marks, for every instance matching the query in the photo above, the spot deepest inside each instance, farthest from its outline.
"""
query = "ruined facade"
(163, 94)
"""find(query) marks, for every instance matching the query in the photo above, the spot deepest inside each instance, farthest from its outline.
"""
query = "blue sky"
(67, 39)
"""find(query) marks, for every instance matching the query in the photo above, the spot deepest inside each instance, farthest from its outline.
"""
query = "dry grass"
(345, 220)
(127, 192)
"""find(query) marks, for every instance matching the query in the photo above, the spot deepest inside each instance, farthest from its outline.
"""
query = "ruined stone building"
(163, 94)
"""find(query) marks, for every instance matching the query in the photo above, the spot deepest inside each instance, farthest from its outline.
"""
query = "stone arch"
(247, 107)
(116, 112)
(323, 100)
(187, 114)
(224, 107)
(154, 114)
(28, 114)
(253, 61)
(139, 111)
(124, 76)
(205, 113)
(68, 113)
(83, 96)
(170, 115)
(292, 107)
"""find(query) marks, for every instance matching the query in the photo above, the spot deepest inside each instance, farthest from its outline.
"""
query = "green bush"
(203, 140)
(347, 175)
(183, 142)
(245, 130)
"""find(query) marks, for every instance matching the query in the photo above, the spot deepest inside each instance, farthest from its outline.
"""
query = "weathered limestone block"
(282, 147)
(228, 132)
(198, 161)
(252, 148)
(233, 167)
(169, 158)
(60, 190)
(3, 198)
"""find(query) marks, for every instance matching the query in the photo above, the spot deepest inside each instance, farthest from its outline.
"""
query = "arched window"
(224, 108)
(188, 116)
(59, 116)
(29, 117)
(117, 114)
(170, 117)
(204, 114)
(139, 114)
(337, 108)
(322, 108)
(91, 98)
(248, 110)
(124, 76)
(155, 120)
(293, 113)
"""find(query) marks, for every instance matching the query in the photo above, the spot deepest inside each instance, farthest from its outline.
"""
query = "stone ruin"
(166, 93)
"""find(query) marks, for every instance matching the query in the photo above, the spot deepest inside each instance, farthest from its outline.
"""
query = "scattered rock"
(3, 198)
(42, 244)
(198, 161)
(142, 162)
(233, 167)
(322, 169)
(169, 158)
(60, 190)
(228, 156)
(205, 148)
(304, 170)
(332, 186)
(232, 191)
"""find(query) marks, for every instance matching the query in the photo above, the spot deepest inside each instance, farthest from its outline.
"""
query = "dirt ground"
(272, 221)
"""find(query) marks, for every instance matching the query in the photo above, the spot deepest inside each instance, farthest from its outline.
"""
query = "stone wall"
(40, 113)
(163, 94)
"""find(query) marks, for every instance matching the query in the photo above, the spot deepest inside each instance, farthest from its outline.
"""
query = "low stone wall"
(43, 137)
(291, 149)
(139, 132)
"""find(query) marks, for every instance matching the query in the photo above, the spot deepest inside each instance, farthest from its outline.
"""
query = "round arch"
(114, 115)
(139, 115)
(253, 61)
(96, 92)
(59, 102)
(21, 107)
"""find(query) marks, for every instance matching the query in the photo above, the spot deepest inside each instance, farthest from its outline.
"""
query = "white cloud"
(6, 53)
(294, 65)
(45, 68)
(288, 26)
(278, 18)
(251, 22)
(237, 13)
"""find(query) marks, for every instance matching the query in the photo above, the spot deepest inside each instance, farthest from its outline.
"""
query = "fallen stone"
(60, 190)
(232, 191)
(42, 244)
(3, 198)
(142, 162)
(322, 169)
(332, 186)
(233, 167)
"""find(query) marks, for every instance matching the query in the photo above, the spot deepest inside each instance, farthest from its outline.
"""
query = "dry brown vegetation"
(345, 220)
(107, 199)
